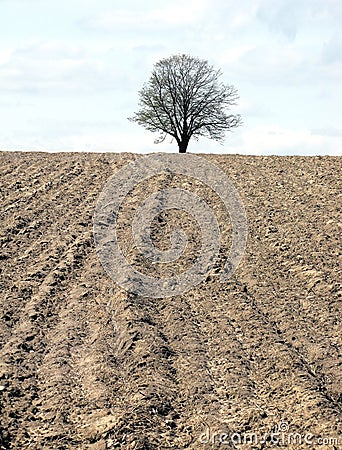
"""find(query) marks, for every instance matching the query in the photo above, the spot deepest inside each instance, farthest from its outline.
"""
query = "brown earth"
(86, 365)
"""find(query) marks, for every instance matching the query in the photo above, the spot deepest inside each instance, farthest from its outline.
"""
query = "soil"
(85, 364)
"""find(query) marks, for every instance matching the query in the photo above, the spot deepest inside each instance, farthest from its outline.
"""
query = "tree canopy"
(184, 98)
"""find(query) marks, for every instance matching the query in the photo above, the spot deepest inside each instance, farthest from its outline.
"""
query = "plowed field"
(86, 365)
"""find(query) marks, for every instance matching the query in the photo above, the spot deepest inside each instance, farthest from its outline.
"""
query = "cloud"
(281, 16)
(272, 64)
(330, 132)
(57, 67)
(274, 139)
(291, 17)
(50, 50)
(48, 127)
(332, 50)
(230, 15)
(5, 56)
(147, 19)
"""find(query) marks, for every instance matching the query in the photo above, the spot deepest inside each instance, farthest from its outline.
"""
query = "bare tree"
(184, 99)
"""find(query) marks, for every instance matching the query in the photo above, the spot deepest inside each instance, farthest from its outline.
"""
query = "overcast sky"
(70, 71)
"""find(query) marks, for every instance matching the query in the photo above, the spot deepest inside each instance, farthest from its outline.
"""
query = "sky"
(70, 72)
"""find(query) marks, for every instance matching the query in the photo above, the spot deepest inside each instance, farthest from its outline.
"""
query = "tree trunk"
(183, 145)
